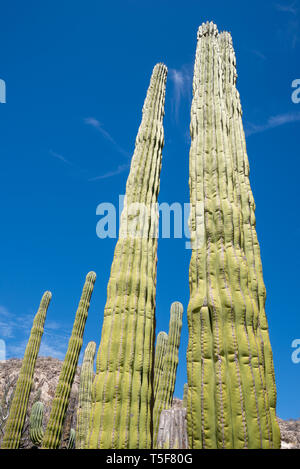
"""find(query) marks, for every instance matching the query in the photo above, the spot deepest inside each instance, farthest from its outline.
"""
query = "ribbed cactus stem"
(85, 395)
(60, 402)
(160, 351)
(231, 392)
(166, 384)
(122, 389)
(18, 408)
(36, 431)
(72, 438)
(185, 395)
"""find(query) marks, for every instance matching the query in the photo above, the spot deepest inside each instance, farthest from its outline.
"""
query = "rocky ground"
(172, 432)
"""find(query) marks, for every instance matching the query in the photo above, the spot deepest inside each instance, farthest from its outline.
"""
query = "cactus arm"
(18, 408)
(61, 399)
(85, 395)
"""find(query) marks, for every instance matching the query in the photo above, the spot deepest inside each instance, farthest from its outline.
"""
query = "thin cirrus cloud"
(291, 31)
(182, 86)
(272, 122)
(120, 169)
(292, 8)
(60, 157)
(98, 126)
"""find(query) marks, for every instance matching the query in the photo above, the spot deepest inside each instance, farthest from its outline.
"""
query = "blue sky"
(76, 75)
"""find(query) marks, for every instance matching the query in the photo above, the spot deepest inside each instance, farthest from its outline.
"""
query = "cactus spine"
(166, 384)
(18, 408)
(160, 351)
(61, 399)
(122, 389)
(231, 388)
(36, 431)
(85, 395)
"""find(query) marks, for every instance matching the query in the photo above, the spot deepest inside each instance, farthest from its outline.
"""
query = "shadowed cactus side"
(122, 389)
(36, 431)
(166, 383)
(85, 395)
(60, 402)
(160, 351)
(18, 408)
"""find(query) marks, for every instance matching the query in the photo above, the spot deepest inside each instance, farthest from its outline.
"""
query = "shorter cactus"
(36, 431)
(17, 412)
(71, 442)
(85, 395)
(160, 351)
(60, 402)
(166, 384)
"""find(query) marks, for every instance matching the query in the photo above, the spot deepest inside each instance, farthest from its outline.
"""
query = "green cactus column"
(85, 395)
(166, 385)
(18, 408)
(36, 431)
(122, 389)
(160, 351)
(251, 251)
(229, 384)
(61, 399)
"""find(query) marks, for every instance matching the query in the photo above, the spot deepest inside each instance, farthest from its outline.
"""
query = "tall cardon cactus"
(166, 385)
(122, 390)
(231, 387)
(18, 408)
(61, 399)
(85, 395)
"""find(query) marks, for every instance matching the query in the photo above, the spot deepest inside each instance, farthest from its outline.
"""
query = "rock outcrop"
(45, 380)
(172, 429)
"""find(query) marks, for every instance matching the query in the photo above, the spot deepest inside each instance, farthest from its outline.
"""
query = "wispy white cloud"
(182, 85)
(259, 54)
(272, 122)
(120, 169)
(98, 126)
(60, 157)
(292, 8)
(292, 29)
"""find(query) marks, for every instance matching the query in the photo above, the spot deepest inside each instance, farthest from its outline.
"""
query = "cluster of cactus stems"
(122, 390)
(230, 397)
(166, 382)
(18, 408)
(85, 395)
(36, 431)
(60, 402)
(231, 387)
